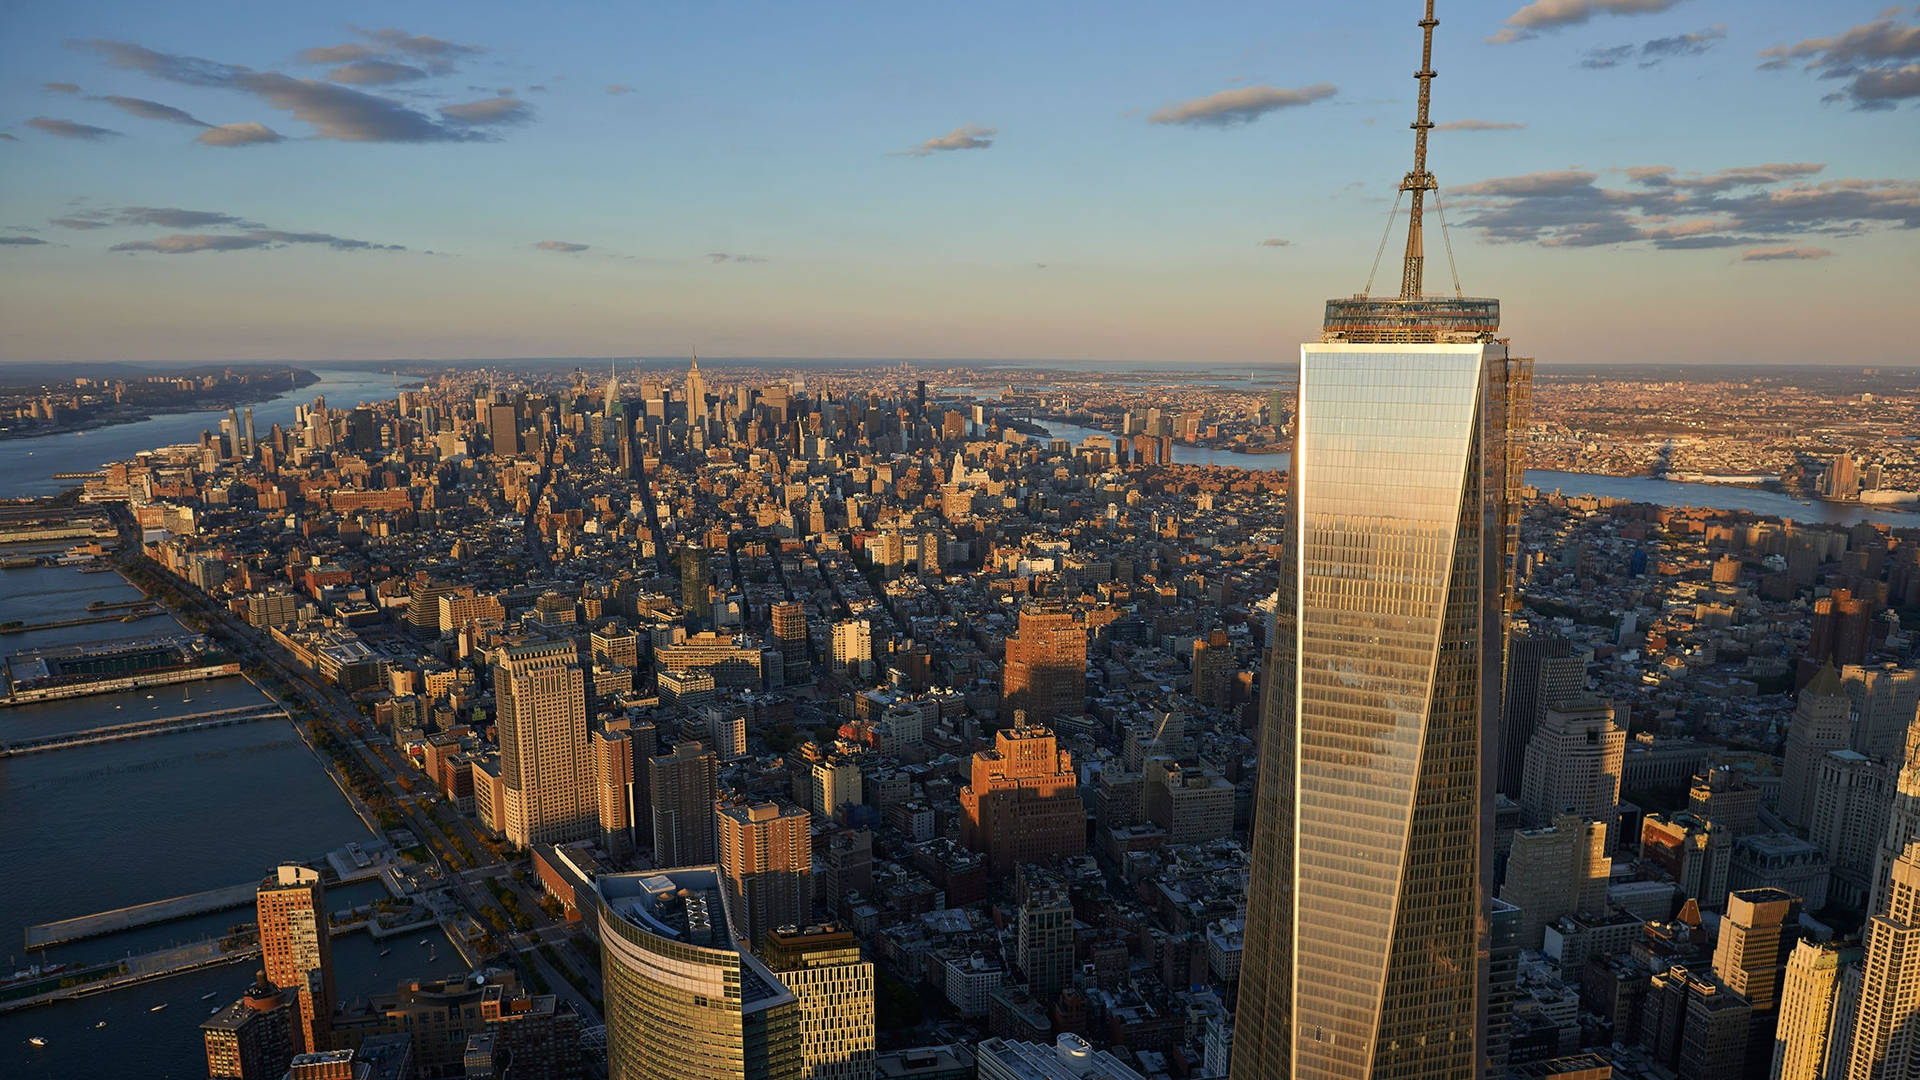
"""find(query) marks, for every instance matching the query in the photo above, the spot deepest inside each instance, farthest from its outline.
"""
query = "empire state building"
(1366, 937)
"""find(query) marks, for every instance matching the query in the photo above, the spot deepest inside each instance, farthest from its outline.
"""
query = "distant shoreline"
(302, 378)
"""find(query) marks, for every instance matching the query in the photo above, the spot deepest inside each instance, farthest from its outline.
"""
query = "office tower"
(1503, 982)
(684, 1000)
(1821, 722)
(1212, 669)
(683, 785)
(766, 864)
(253, 1038)
(1886, 1031)
(1885, 702)
(823, 968)
(613, 756)
(1372, 861)
(1022, 803)
(1727, 798)
(1191, 803)
(1573, 762)
(503, 429)
(540, 700)
(1557, 870)
(1693, 851)
(1903, 820)
(1045, 673)
(694, 575)
(1851, 801)
(853, 648)
(1691, 1022)
(1840, 625)
(834, 783)
(1811, 992)
(1526, 655)
(1757, 933)
(296, 951)
(1045, 943)
(249, 444)
(787, 624)
(696, 394)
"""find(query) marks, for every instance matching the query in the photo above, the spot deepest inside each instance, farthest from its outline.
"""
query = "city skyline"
(959, 184)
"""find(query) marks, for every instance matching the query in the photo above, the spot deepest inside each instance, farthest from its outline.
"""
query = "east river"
(1644, 489)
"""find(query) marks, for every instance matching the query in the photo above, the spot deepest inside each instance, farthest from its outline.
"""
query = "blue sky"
(1093, 181)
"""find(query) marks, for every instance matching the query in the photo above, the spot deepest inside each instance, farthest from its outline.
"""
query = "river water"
(27, 465)
(100, 827)
(1644, 489)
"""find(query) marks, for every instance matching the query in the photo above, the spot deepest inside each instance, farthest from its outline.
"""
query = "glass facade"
(1365, 948)
(682, 1011)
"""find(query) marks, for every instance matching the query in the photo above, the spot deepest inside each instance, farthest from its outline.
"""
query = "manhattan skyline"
(994, 184)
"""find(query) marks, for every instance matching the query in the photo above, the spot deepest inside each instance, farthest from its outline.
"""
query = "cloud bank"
(1240, 106)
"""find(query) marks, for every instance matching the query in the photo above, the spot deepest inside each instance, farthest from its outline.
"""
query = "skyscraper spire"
(1419, 181)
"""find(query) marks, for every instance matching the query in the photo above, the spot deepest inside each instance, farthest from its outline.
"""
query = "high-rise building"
(1821, 722)
(787, 624)
(1069, 1058)
(853, 648)
(695, 600)
(1903, 820)
(684, 786)
(1045, 674)
(1366, 949)
(503, 429)
(684, 999)
(253, 1038)
(1886, 1032)
(1212, 669)
(613, 756)
(766, 862)
(1526, 654)
(1696, 853)
(1810, 995)
(823, 968)
(1885, 701)
(1757, 933)
(1727, 798)
(540, 697)
(1554, 871)
(1023, 803)
(296, 951)
(1573, 762)
(834, 783)
(1851, 799)
(1045, 943)
(1503, 983)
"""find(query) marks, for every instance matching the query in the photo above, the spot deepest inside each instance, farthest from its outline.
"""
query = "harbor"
(57, 672)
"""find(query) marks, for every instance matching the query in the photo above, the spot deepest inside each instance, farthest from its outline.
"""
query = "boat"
(36, 1040)
(158, 1007)
(208, 996)
(99, 1025)
(215, 1011)
(423, 941)
(384, 952)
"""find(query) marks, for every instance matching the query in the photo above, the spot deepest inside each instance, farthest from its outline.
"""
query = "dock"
(100, 978)
(127, 918)
(139, 729)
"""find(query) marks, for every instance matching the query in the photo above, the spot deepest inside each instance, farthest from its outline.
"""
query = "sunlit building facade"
(684, 999)
(1373, 821)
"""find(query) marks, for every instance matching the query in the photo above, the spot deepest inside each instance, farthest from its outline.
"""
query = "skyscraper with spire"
(696, 392)
(1366, 948)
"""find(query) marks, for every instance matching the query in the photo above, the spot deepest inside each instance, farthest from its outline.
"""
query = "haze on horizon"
(1690, 181)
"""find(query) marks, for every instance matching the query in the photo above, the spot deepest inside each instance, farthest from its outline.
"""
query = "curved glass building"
(684, 1000)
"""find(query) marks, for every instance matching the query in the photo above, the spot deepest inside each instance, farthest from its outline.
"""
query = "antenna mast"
(1419, 181)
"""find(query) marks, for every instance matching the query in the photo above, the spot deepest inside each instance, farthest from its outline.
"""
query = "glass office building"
(1366, 948)
(684, 1000)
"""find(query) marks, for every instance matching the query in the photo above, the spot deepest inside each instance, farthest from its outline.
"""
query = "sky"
(1697, 181)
